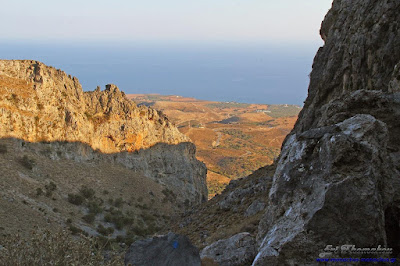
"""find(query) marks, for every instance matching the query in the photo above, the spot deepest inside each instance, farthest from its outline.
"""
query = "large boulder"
(236, 250)
(333, 186)
(167, 250)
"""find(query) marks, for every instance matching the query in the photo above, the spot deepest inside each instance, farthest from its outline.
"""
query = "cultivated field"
(232, 139)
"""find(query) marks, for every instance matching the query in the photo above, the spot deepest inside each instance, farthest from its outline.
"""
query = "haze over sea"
(242, 72)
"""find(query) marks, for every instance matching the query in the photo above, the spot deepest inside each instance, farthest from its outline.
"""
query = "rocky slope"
(48, 125)
(337, 180)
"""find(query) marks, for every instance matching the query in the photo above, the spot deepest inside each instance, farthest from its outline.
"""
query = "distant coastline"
(262, 74)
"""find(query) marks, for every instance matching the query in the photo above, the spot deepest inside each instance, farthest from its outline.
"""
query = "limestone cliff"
(337, 181)
(39, 103)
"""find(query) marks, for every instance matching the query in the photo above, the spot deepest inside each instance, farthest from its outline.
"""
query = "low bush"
(89, 218)
(39, 192)
(118, 202)
(87, 192)
(105, 231)
(26, 162)
(118, 219)
(94, 207)
(75, 199)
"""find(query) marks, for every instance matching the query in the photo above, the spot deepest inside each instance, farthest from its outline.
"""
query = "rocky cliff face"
(42, 104)
(337, 181)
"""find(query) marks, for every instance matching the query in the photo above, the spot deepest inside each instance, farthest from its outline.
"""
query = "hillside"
(89, 161)
(232, 139)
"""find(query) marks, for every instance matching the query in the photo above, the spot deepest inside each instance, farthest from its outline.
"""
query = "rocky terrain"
(232, 139)
(337, 180)
(93, 161)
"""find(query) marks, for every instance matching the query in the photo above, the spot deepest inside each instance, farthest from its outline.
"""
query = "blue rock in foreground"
(167, 250)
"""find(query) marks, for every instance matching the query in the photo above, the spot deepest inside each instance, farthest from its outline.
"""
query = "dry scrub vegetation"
(60, 248)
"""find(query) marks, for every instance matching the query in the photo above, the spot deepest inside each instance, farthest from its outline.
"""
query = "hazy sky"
(163, 20)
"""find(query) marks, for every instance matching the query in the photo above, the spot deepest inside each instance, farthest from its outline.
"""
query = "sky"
(161, 20)
(256, 51)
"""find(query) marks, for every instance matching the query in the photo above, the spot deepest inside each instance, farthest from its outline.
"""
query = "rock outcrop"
(337, 181)
(170, 249)
(234, 251)
(42, 104)
(336, 186)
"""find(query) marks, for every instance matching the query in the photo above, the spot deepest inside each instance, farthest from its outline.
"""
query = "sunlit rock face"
(39, 103)
(337, 180)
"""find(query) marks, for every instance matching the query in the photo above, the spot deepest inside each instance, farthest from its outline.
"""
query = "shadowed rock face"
(360, 53)
(337, 180)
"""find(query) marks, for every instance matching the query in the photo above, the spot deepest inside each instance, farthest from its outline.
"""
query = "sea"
(265, 73)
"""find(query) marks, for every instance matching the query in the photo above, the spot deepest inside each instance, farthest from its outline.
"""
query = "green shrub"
(74, 230)
(39, 191)
(118, 219)
(105, 231)
(118, 202)
(27, 163)
(51, 186)
(87, 192)
(89, 218)
(94, 207)
(75, 199)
